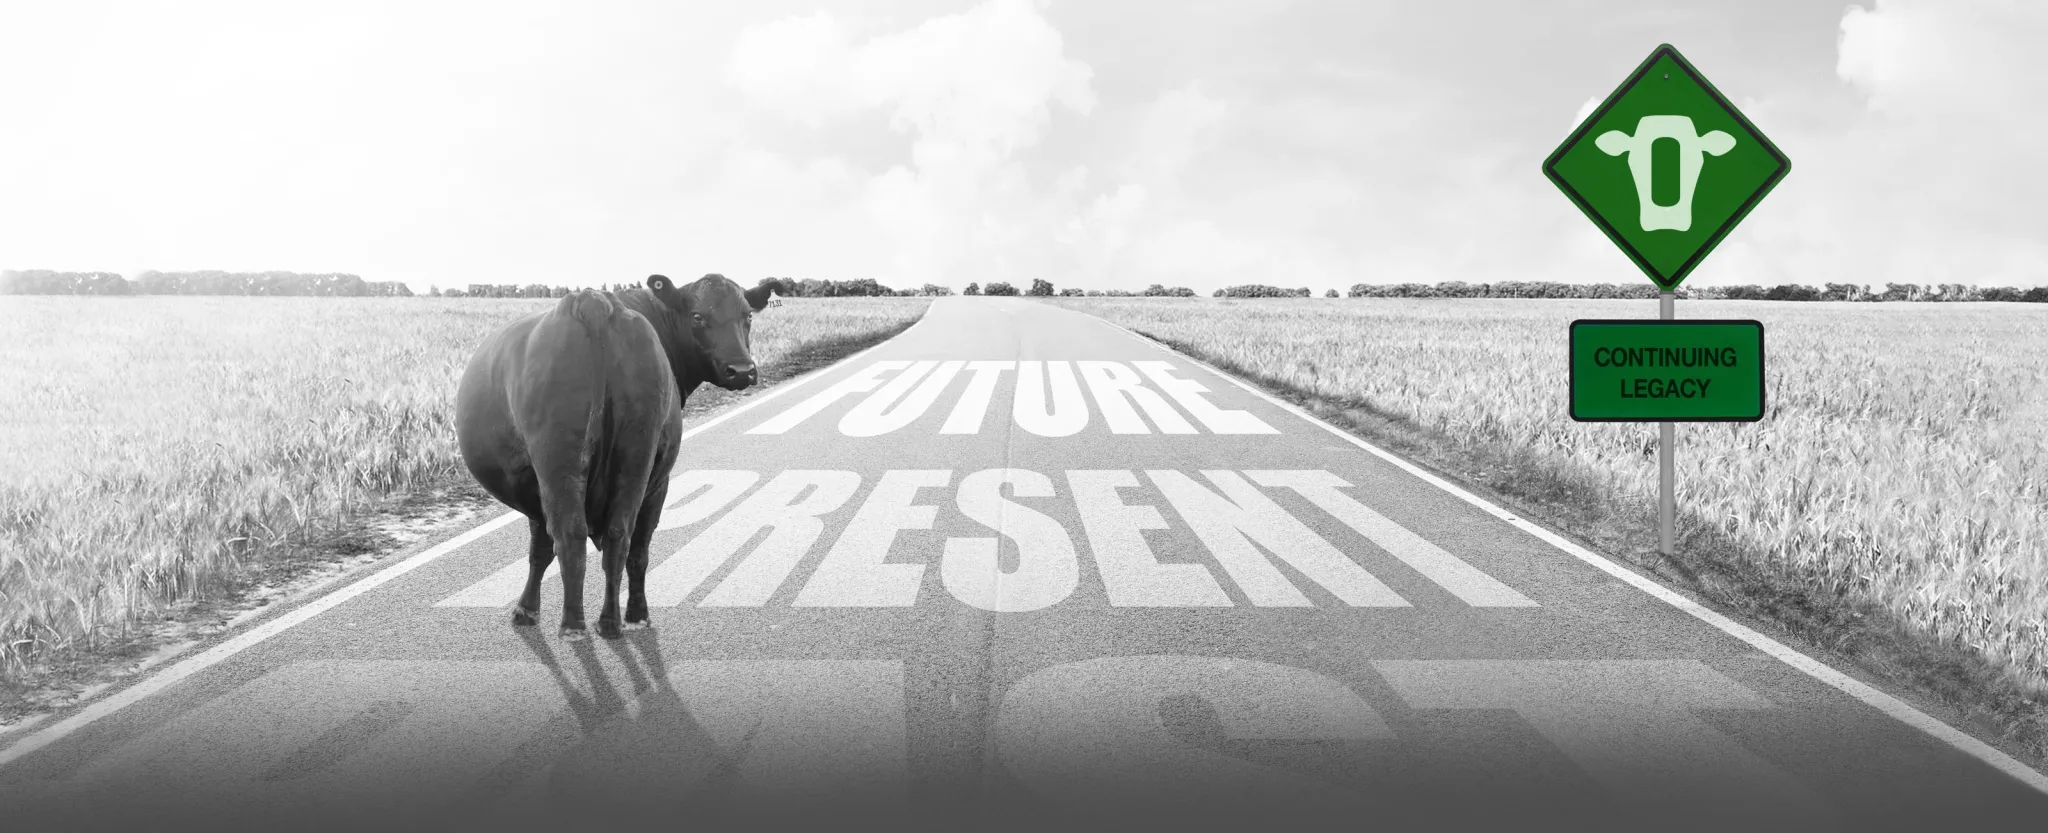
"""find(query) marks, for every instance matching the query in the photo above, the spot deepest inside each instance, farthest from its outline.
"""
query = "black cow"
(573, 417)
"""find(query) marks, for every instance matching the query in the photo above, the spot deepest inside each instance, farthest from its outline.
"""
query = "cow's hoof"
(575, 631)
(609, 628)
(642, 625)
(525, 618)
(636, 617)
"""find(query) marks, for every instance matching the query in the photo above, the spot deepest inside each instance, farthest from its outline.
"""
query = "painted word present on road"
(1666, 167)
(1232, 516)
(424, 735)
(898, 393)
(1635, 370)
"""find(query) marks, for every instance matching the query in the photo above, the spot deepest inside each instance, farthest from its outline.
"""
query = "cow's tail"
(595, 310)
(591, 307)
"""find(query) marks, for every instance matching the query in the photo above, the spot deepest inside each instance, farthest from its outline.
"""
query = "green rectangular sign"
(1636, 370)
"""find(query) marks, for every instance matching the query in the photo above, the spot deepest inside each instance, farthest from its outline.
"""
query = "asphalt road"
(900, 595)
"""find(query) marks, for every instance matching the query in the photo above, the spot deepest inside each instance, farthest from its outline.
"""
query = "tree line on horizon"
(204, 282)
(1739, 292)
(341, 284)
(784, 287)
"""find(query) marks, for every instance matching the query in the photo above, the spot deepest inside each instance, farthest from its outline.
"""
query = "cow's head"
(717, 321)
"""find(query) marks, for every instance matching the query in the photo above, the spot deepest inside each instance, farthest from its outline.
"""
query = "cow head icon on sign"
(1676, 217)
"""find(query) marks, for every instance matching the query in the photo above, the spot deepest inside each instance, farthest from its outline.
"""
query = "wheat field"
(157, 448)
(1903, 459)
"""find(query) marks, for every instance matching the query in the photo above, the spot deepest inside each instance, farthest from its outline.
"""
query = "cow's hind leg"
(571, 534)
(540, 553)
(614, 546)
(571, 549)
(620, 532)
(636, 552)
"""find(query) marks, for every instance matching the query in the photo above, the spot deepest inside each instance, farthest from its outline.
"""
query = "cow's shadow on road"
(637, 745)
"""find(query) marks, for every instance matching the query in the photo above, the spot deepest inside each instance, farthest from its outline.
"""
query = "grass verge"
(177, 465)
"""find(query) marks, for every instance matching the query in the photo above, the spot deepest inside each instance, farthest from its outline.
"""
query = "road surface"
(914, 592)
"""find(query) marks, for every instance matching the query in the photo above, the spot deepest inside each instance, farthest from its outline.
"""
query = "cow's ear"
(758, 296)
(668, 294)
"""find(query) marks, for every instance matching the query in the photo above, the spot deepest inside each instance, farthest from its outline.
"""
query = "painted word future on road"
(898, 393)
(878, 561)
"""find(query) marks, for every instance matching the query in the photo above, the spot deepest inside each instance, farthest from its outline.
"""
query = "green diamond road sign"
(1666, 167)
(1696, 370)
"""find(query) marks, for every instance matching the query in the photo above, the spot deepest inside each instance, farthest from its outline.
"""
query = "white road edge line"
(173, 674)
(1896, 708)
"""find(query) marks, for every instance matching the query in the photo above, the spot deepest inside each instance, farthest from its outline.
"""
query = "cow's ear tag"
(657, 283)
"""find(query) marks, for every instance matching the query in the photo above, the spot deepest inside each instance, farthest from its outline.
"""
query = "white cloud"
(1197, 248)
(1100, 233)
(973, 91)
(1938, 180)
(1172, 131)
(1586, 109)
(1919, 60)
(1325, 123)
(798, 67)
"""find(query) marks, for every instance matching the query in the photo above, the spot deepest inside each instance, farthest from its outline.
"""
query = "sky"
(1105, 145)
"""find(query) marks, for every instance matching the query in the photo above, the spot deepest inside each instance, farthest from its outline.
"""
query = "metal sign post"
(1667, 467)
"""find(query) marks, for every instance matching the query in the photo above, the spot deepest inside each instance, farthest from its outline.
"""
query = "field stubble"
(1903, 460)
(160, 450)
